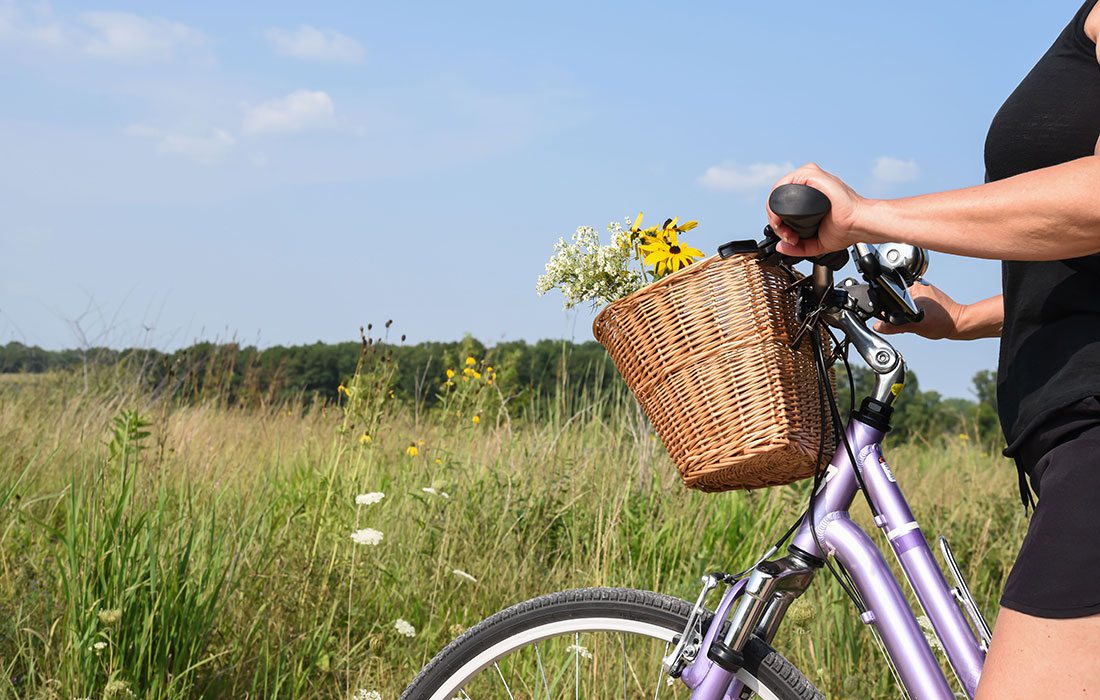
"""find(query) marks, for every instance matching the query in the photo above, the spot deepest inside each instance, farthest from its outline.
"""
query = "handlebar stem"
(880, 356)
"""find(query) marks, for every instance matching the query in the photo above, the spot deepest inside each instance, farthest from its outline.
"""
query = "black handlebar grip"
(801, 207)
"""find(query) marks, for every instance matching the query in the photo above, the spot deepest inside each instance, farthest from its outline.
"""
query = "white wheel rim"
(554, 629)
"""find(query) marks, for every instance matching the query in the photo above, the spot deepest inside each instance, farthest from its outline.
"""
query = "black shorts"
(1057, 574)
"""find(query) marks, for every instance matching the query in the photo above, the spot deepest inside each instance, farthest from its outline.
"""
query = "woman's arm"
(946, 318)
(1047, 214)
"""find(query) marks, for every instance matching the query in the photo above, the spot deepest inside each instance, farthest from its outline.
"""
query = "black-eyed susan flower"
(666, 254)
(476, 419)
(412, 450)
(470, 362)
(450, 374)
(365, 439)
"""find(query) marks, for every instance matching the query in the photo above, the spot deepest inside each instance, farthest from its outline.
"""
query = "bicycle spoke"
(501, 674)
(542, 671)
(660, 672)
(622, 643)
(577, 666)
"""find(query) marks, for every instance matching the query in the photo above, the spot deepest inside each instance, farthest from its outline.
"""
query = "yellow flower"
(438, 460)
(470, 362)
(343, 390)
(476, 419)
(666, 254)
(391, 393)
(964, 436)
(468, 372)
(365, 439)
(489, 369)
(450, 374)
(412, 450)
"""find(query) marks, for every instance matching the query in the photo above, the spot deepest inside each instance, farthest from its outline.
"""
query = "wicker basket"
(707, 353)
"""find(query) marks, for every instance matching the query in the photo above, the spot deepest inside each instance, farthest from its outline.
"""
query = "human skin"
(1047, 214)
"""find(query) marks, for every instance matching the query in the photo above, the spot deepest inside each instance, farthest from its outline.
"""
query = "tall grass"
(176, 551)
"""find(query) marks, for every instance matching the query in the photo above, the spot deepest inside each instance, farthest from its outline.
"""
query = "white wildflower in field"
(99, 646)
(364, 694)
(579, 650)
(404, 628)
(367, 536)
(929, 632)
(462, 574)
(369, 499)
(435, 492)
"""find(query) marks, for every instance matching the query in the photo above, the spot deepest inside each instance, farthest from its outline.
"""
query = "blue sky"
(284, 172)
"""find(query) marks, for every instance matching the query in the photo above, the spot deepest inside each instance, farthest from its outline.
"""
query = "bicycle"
(725, 653)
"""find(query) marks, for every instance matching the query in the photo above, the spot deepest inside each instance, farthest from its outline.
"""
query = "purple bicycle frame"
(888, 609)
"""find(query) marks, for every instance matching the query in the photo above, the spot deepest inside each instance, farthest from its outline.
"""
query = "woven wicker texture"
(707, 353)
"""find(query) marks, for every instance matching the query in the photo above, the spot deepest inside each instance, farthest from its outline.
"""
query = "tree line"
(533, 375)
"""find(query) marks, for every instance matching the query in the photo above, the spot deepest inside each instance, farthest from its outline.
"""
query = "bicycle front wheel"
(586, 643)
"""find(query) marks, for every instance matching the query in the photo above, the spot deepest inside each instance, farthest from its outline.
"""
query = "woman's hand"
(946, 318)
(837, 231)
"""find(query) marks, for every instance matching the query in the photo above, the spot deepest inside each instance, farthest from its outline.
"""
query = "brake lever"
(896, 305)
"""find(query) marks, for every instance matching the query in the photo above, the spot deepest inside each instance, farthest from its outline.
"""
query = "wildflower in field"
(343, 390)
(110, 617)
(438, 461)
(579, 651)
(369, 499)
(470, 362)
(98, 647)
(364, 694)
(435, 492)
(450, 374)
(404, 628)
(117, 688)
(365, 439)
(367, 536)
(412, 450)
(929, 632)
(476, 419)
(964, 437)
(462, 574)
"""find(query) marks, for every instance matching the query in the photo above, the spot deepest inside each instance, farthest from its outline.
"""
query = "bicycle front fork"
(754, 606)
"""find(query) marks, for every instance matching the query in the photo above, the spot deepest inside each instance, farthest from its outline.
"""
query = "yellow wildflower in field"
(438, 461)
(365, 439)
(476, 419)
(470, 362)
(412, 450)
(343, 390)
(450, 374)
(964, 436)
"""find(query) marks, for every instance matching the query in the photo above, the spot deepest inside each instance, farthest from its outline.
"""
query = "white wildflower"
(586, 271)
(929, 632)
(369, 499)
(435, 492)
(578, 650)
(368, 536)
(364, 694)
(403, 627)
(462, 574)
(99, 646)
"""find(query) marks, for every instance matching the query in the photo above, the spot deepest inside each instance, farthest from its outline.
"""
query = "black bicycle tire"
(769, 667)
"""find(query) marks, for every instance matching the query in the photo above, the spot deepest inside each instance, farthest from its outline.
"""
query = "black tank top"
(1050, 345)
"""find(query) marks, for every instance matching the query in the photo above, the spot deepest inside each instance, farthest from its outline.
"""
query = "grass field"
(149, 549)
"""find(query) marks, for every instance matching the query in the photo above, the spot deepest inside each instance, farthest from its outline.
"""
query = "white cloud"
(889, 170)
(118, 36)
(205, 148)
(735, 178)
(314, 44)
(128, 37)
(299, 111)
